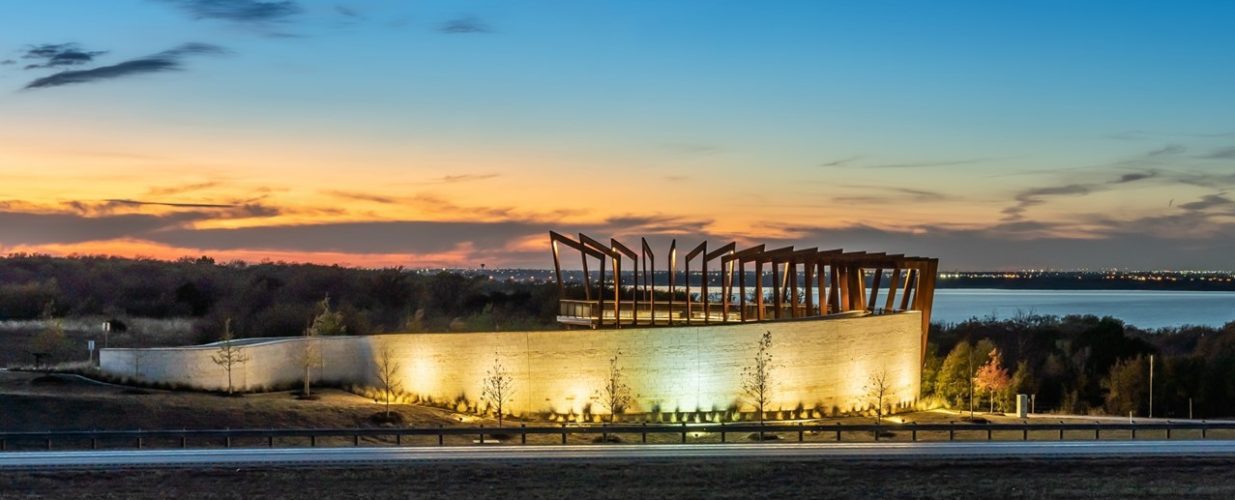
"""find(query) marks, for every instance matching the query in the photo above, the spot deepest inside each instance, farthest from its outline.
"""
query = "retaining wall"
(822, 364)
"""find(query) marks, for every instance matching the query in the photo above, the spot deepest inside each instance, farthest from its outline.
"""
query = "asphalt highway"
(346, 456)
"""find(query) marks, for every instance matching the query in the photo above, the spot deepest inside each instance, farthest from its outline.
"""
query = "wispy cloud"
(1032, 197)
(453, 179)
(890, 194)
(59, 55)
(180, 188)
(240, 11)
(169, 60)
(841, 162)
(926, 164)
(464, 25)
(1227, 153)
(1167, 150)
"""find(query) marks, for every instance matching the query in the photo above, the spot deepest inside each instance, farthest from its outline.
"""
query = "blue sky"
(991, 134)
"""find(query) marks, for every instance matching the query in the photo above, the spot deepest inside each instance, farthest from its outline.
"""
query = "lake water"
(1145, 309)
(1142, 308)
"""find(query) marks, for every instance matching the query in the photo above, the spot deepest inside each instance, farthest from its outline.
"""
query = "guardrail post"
(227, 441)
(522, 433)
(356, 439)
(951, 431)
(800, 432)
(1203, 428)
(1168, 430)
(604, 433)
(876, 432)
(988, 433)
(684, 433)
(1133, 431)
(270, 441)
(838, 432)
(1061, 430)
(1097, 432)
(563, 432)
(440, 437)
(643, 436)
(398, 439)
(4, 444)
(482, 433)
(49, 442)
(914, 432)
(183, 441)
(722, 432)
(94, 443)
(1025, 431)
(139, 442)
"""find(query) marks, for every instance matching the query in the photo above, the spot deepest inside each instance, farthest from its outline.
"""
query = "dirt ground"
(679, 478)
(29, 402)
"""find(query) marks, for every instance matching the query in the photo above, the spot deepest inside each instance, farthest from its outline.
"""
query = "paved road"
(345, 456)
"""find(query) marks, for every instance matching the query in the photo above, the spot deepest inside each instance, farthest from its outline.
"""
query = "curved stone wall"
(819, 364)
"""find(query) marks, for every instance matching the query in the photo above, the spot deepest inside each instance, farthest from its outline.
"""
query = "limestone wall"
(822, 364)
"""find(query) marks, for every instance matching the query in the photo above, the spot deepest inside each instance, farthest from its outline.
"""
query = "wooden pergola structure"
(805, 283)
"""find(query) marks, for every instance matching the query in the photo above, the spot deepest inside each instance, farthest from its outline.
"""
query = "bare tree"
(757, 382)
(229, 355)
(615, 396)
(877, 389)
(310, 356)
(498, 388)
(388, 374)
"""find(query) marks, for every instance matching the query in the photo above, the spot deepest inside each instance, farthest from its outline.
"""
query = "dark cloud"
(60, 55)
(194, 211)
(7, 62)
(464, 25)
(43, 228)
(1034, 197)
(241, 11)
(1207, 202)
(169, 60)
(1221, 154)
(1168, 150)
(135, 203)
(1134, 176)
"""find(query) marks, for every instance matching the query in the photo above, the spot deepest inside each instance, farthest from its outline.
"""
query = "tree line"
(1081, 365)
(268, 299)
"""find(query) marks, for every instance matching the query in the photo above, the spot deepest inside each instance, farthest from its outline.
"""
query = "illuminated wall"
(823, 364)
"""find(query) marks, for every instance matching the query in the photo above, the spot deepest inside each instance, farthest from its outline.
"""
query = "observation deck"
(787, 283)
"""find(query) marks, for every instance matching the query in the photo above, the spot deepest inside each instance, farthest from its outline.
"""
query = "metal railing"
(682, 433)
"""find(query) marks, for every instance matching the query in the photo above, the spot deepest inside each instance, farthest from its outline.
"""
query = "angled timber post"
(620, 250)
(649, 280)
(702, 248)
(673, 271)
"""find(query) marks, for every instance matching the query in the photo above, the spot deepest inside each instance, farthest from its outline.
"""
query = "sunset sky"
(993, 135)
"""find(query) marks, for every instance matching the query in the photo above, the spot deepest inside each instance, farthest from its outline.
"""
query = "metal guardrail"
(183, 438)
